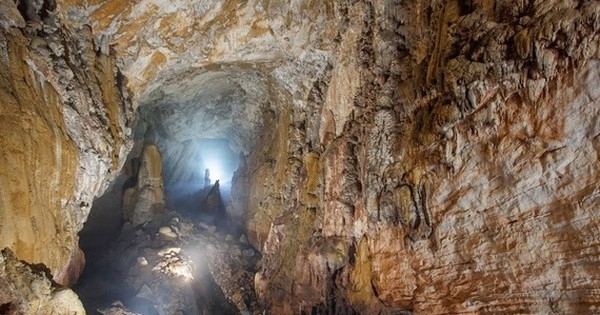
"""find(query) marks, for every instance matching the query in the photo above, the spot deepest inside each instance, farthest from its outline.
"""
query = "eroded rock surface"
(145, 201)
(65, 120)
(28, 290)
(162, 42)
(425, 157)
(454, 172)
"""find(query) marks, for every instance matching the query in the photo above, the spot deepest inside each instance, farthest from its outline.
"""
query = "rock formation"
(182, 269)
(65, 117)
(398, 157)
(145, 201)
(164, 263)
(26, 289)
(455, 172)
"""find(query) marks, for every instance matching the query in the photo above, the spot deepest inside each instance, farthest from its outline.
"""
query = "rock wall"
(166, 43)
(431, 156)
(26, 289)
(65, 118)
(447, 163)
(419, 157)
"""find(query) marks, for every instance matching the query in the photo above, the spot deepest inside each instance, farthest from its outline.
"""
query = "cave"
(299, 157)
(188, 143)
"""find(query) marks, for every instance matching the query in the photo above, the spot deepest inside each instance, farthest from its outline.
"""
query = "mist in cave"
(197, 191)
(206, 162)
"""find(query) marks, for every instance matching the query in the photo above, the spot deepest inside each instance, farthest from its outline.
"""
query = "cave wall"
(446, 163)
(65, 118)
(415, 156)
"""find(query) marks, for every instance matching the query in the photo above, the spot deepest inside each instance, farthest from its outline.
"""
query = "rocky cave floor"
(174, 264)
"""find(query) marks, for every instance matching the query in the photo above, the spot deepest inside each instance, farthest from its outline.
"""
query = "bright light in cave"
(216, 156)
(216, 170)
(186, 173)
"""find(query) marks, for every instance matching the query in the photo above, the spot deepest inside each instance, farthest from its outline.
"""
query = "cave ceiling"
(210, 69)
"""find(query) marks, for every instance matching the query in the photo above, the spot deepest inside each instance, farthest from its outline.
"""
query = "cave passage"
(299, 157)
(165, 237)
(194, 221)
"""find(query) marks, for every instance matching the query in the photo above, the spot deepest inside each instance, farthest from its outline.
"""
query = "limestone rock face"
(65, 120)
(400, 157)
(211, 69)
(27, 290)
(163, 42)
(426, 156)
(449, 166)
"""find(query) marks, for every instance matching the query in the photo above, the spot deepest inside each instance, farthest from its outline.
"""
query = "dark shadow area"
(6, 308)
(100, 284)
